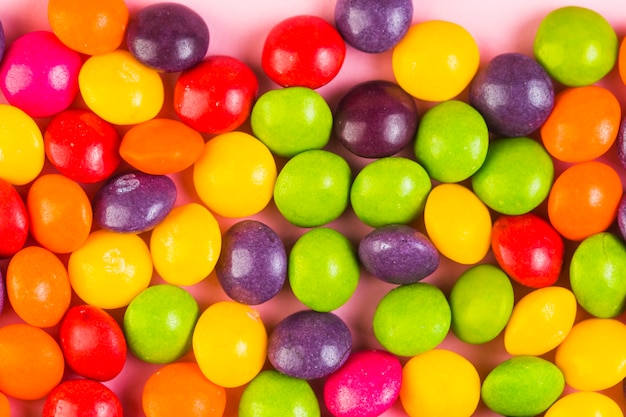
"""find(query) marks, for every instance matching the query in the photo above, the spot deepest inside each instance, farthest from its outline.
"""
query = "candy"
(21, 144)
(585, 404)
(412, 319)
(83, 397)
(308, 344)
(398, 254)
(323, 269)
(13, 220)
(375, 119)
(390, 190)
(621, 217)
(2, 41)
(5, 406)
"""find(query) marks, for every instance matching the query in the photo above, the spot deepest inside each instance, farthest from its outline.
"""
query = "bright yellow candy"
(436, 60)
(22, 152)
(120, 89)
(185, 246)
(110, 269)
(540, 321)
(585, 404)
(235, 175)
(458, 223)
(593, 355)
(230, 343)
(439, 383)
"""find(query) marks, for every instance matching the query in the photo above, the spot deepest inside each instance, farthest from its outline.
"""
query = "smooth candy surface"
(84, 397)
(21, 144)
(585, 404)
(13, 220)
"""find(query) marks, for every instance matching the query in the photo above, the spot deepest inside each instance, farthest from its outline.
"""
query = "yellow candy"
(185, 246)
(593, 355)
(540, 321)
(436, 60)
(120, 89)
(21, 146)
(458, 223)
(110, 269)
(585, 404)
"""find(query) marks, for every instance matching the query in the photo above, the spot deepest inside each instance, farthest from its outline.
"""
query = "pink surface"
(238, 28)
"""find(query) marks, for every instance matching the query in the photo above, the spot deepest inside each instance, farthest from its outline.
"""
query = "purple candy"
(621, 142)
(373, 25)
(514, 94)
(309, 344)
(133, 202)
(375, 119)
(2, 41)
(169, 37)
(252, 266)
(621, 216)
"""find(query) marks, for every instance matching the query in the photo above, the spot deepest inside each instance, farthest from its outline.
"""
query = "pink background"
(238, 28)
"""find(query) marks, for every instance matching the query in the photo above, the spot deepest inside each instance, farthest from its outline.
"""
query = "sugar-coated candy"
(577, 46)
(292, 120)
(323, 269)
(513, 93)
(621, 216)
(84, 397)
(181, 389)
(289, 62)
(412, 319)
(252, 266)
(93, 343)
(168, 36)
(215, 95)
(427, 390)
(133, 202)
(313, 188)
(309, 344)
(235, 175)
(366, 385)
(186, 245)
(390, 190)
(451, 54)
(39, 74)
(272, 393)
(481, 302)
(585, 404)
(110, 269)
(398, 254)
(516, 176)
(13, 220)
(21, 144)
(159, 322)
(230, 343)
(522, 386)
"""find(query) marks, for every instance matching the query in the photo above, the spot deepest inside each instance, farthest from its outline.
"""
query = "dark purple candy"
(169, 37)
(375, 119)
(621, 142)
(373, 25)
(398, 254)
(252, 266)
(2, 41)
(134, 202)
(621, 216)
(514, 94)
(309, 344)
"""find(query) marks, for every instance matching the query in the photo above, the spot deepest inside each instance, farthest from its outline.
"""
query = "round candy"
(21, 145)
(576, 45)
(230, 343)
(309, 344)
(133, 202)
(292, 120)
(84, 397)
(372, 26)
(435, 60)
(621, 142)
(272, 393)
(289, 62)
(451, 141)
(13, 220)
(412, 319)
(390, 190)
(585, 404)
(167, 36)
(621, 216)
(235, 175)
(159, 323)
(252, 267)
(513, 93)
(120, 89)
(313, 188)
(5, 406)
(39, 74)
(215, 95)
(398, 254)
(323, 269)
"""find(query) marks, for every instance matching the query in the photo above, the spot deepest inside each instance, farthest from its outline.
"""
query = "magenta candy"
(39, 74)
(2, 41)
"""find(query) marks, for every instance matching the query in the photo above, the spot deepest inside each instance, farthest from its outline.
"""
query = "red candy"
(13, 220)
(82, 398)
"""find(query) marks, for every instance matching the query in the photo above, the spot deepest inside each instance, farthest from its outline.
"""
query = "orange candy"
(583, 124)
(621, 60)
(5, 407)
(584, 200)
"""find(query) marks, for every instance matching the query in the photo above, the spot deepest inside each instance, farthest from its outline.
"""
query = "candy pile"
(161, 210)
